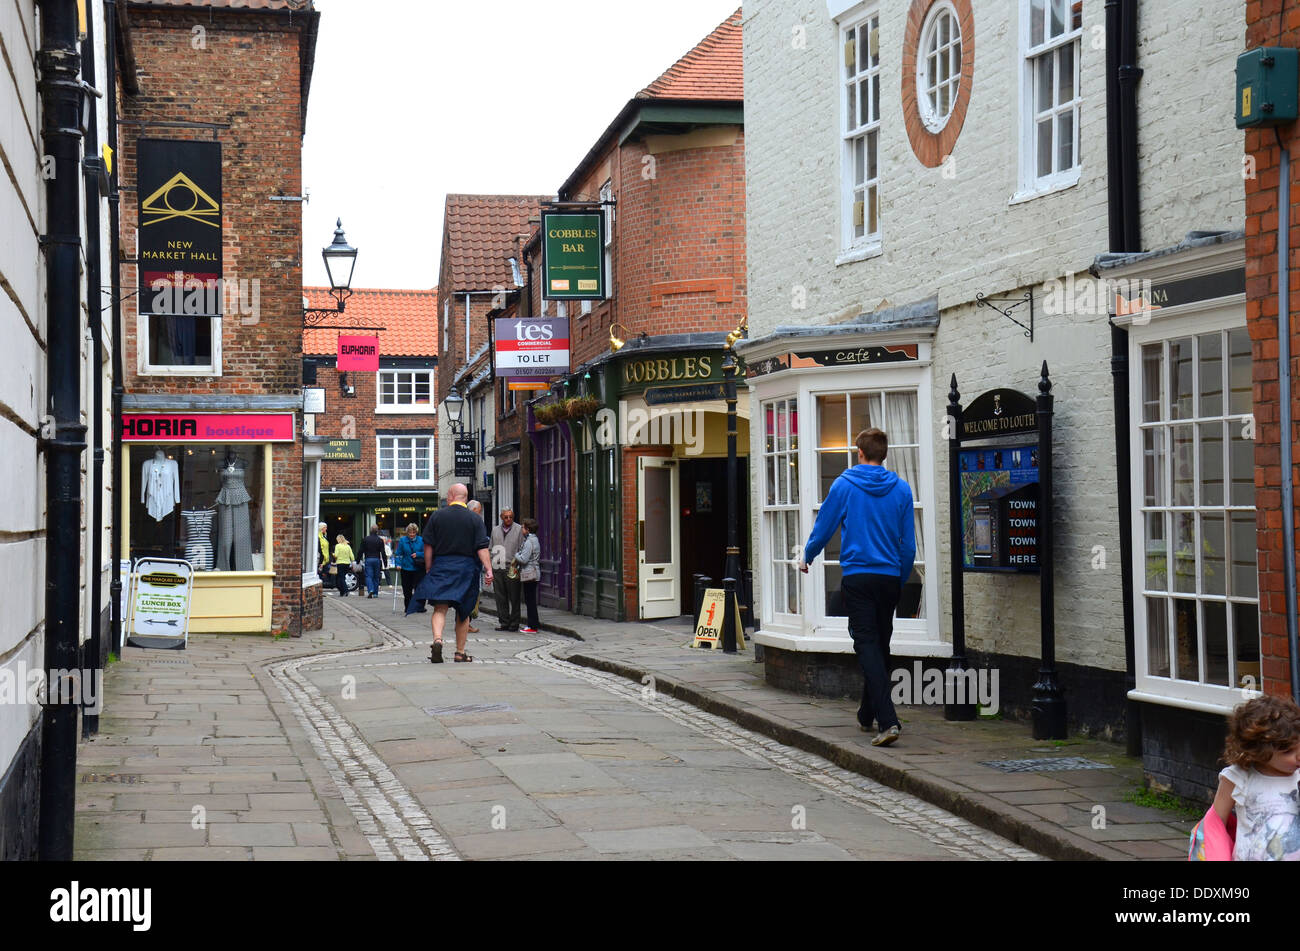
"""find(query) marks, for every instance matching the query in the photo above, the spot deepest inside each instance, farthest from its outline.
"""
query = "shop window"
(1052, 40)
(840, 417)
(860, 134)
(785, 536)
(405, 391)
(607, 195)
(1199, 617)
(310, 519)
(204, 504)
(180, 345)
(405, 460)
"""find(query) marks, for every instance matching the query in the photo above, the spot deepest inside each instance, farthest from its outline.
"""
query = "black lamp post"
(340, 261)
(732, 572)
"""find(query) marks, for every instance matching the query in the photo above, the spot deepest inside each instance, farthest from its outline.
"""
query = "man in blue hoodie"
(877, 549)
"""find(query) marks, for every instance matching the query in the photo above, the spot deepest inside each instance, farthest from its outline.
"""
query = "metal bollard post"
(729, 620)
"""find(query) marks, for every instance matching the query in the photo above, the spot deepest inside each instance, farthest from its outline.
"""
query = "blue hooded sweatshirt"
(875, 507)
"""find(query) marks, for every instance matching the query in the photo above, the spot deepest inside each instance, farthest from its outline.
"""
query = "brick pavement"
(1054, 813)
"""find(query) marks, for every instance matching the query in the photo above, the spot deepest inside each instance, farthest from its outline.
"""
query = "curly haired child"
(1262, 780)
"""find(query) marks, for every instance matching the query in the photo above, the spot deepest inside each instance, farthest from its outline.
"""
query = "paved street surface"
(349, 745)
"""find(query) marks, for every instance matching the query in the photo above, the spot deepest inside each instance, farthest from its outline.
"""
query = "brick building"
(930, 157)
(213, 401)
(480, 234)
(1267, 26)
(631, 491)
(379, 466)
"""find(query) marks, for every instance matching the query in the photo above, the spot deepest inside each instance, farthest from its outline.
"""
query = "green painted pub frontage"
(352, 513)
(643, 434)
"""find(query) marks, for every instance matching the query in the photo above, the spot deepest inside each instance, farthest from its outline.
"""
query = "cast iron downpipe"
(93, 657)
(1285, 397)
(115, 292)
(63, 435)
(1122, 74)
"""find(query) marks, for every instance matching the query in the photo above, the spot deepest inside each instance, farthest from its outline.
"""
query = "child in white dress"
(1262, 780)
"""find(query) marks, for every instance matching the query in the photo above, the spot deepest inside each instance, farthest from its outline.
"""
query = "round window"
(938, 66)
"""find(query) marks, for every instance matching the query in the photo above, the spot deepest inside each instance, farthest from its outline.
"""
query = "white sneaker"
(886, 737)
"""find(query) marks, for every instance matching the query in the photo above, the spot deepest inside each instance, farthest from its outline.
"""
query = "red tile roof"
(409, 319)
(478, 236)
(713, 70)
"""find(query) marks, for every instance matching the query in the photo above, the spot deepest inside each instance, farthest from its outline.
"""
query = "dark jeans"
(530, 599)
(870, 601)
(411, 579)
(341, 579)
(373, 567)
(507, 594)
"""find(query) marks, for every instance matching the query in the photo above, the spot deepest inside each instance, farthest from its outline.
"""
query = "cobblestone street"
(359, 751)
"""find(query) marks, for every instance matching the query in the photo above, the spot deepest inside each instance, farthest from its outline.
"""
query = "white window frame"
(932, 120)
(920, 637)
(1180, 693)
(310, 519)
(852, 246)
(607, 194)
(391, 409)
(414, 438)
(145, 368)
(773, 548)
(1031, 183)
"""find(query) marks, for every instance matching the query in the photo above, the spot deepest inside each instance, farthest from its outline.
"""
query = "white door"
(658, 538)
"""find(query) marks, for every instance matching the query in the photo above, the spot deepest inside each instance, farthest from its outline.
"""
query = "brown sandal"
(435, 653)
(462, 658)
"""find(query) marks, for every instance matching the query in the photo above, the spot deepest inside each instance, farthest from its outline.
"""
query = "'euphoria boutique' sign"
(573, 256)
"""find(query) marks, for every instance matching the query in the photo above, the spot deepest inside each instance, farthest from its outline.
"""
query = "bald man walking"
(455, 550)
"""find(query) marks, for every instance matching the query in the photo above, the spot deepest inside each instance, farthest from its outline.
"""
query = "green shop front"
(352, 513)
(648, 426)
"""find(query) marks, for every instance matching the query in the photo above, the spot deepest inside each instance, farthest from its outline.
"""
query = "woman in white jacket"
(529, 560)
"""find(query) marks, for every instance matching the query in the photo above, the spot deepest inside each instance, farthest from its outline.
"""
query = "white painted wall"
(959, 235)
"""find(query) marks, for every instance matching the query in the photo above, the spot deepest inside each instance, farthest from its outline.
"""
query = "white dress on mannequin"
(160, 485)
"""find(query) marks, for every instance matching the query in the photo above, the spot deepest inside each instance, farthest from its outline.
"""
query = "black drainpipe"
(1122, 74)
(95, 648)
(115, 293)
(63, 435)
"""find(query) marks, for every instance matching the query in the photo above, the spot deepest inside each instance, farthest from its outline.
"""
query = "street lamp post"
(731, 575)
(340, 261)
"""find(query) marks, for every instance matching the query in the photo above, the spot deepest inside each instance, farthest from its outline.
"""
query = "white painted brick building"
(962, 211)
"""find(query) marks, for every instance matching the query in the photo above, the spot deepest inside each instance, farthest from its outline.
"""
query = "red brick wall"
(363, 473)
(261, 151)
(1262, 318)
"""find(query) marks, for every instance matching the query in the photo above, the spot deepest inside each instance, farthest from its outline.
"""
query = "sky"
(413, 99)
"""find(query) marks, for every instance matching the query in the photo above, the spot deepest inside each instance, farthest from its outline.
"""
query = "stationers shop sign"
(573, 255)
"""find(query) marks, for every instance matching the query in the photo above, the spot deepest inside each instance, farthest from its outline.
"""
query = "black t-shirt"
(455, 530)
(372, 546)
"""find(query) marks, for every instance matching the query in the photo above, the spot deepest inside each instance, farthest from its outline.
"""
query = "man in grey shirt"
(506, 539)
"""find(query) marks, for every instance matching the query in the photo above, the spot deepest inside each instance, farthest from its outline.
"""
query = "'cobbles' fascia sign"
(573, 255)
(635, 375)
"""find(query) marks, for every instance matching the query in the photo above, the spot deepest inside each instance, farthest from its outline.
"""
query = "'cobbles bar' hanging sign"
(573, 256)
(180, 228)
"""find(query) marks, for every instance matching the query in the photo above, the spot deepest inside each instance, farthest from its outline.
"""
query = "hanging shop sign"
(466, 457)
(160, 603)
(841, 357)
(999, 508)
(207, 427)
(180, 234)
(534, 385)
(573, 255)
(532, 348)
(360, 354)
(342, 450)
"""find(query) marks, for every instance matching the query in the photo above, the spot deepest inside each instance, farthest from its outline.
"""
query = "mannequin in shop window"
(234, 532)
(160, 485)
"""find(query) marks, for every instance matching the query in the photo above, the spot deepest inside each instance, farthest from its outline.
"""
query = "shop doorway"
(703, 517)
(658, 538)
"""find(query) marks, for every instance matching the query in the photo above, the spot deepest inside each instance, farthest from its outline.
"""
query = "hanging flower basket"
(581, 406)
(549, 413)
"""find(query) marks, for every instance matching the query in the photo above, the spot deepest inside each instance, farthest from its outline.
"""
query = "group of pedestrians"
(517, 557)
(374, 560)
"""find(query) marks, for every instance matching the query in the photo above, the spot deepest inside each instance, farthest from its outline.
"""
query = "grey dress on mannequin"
(234, 534)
